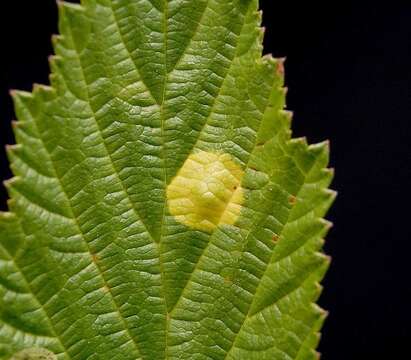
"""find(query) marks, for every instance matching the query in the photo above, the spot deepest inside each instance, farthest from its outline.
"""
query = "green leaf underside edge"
(92, 264)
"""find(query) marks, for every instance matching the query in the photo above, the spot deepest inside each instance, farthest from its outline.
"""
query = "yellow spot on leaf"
(206, 192)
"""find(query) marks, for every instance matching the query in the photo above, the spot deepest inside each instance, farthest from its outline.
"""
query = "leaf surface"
(160, 208)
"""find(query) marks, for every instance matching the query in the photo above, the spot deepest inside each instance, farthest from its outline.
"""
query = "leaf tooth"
(56, 76)
(73, 23)
(326, 223)
(263, 30)
(276, 67)
(317, 275)
(13, 150)
(15, 124)
(323, 146)
(19, 97)
(24, 104)
(287, 114)
(43, 93)
(317, 293)
(268, 59)
(53, 63)
(299, 142)
(56, 38)
(260, 31)
(330, 192)
(324, 227)
(11, 203)
(7, 215)
(328, 197)
(330, 171)
(9, 184)
(42, 89)
(281, 66)
(327, 261)
(317, 334)
(68, 12)
(74, 6)
(277, 62)
(54, 60)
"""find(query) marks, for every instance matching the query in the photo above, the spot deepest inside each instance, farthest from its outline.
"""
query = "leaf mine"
(207, 191)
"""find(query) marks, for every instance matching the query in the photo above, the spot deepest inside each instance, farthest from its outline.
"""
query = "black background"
(348, 73)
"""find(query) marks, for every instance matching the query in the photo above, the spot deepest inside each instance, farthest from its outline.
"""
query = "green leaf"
(34, 354)
(160, 209)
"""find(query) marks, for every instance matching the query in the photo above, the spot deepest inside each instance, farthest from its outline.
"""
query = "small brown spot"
(95, 258)
(292, 200)
(275, 238)
(228, 280)
(106, 289)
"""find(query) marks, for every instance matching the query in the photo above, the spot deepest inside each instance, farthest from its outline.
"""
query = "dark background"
(348, 73)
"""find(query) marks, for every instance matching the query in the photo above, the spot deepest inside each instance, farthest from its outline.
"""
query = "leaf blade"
(137, 87)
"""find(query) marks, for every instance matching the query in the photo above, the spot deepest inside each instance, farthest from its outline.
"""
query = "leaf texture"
(94, 261)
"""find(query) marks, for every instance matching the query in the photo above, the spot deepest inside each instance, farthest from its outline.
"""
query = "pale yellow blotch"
(207, 191)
